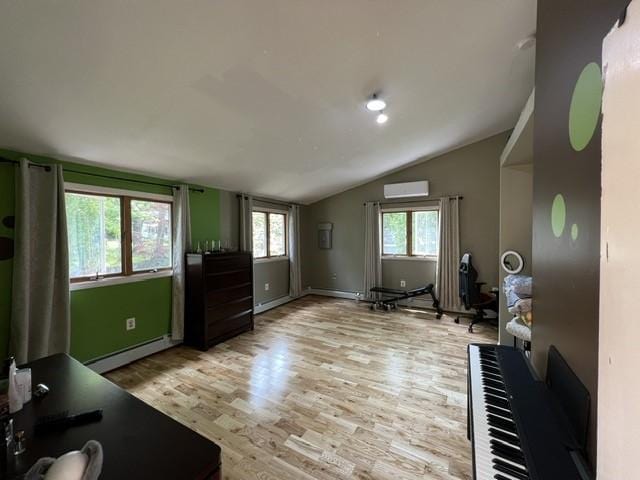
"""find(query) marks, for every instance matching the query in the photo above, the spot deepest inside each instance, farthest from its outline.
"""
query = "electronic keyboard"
(518, 424)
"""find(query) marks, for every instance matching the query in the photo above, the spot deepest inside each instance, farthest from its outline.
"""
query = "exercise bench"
(393, 296)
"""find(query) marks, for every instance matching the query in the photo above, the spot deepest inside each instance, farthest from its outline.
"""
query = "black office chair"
(471, 293)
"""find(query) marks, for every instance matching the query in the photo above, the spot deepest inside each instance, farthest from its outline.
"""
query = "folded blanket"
(521, 285)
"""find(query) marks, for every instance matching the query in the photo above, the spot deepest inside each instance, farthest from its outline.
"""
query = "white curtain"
(246, 223)
(372, 257)
(448, 280)
(181, 245)
(40, 318)
(295, 273)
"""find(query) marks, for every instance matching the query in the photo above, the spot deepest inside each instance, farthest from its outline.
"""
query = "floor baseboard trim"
(272, 304)
(333, 293)
(124, 357)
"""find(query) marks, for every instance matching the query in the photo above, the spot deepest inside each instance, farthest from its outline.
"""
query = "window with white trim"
(410, 233)
(269, 234)
(117, 235)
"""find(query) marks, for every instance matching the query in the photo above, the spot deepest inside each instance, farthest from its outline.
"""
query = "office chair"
(471, 294)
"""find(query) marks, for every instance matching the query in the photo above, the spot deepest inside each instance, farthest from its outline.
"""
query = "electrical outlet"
(266, 287)
(403, 283)
(334, 276)
(131, 323)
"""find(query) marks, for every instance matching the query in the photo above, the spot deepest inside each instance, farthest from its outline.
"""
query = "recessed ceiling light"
(382, 118)
(376, 104)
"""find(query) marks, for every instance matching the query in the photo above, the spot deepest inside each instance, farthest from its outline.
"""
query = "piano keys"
(517, 424)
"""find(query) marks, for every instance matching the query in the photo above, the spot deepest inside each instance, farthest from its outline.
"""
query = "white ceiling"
(263, 96)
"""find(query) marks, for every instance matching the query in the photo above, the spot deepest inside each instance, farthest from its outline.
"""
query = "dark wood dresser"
(219, 297)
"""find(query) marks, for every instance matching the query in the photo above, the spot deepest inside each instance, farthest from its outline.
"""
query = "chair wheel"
(457, 320)
(470, 328)
(438, 316)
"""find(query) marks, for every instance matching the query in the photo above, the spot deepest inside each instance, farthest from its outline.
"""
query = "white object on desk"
(23, 382)
(70, 466)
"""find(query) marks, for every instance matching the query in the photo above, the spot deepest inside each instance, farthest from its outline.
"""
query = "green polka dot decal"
(585, 107)
(558, 215)
(574, 232)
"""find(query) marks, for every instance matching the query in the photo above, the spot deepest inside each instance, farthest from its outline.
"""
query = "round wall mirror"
(512, 262)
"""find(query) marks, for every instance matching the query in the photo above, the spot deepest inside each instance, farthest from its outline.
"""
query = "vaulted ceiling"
(263, 96)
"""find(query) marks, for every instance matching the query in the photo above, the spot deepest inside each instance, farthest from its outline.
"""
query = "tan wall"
(275, 273)
(471, 171)
(516, 225)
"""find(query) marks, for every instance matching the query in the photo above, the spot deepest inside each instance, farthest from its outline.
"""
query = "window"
(116, 235)
(269, 234)
(410, 233)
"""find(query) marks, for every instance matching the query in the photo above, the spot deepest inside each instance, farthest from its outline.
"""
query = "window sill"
(105, 282)
(410, 259)
(270, 259)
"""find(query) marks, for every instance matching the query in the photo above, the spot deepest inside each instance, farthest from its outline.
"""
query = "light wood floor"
(324, 389)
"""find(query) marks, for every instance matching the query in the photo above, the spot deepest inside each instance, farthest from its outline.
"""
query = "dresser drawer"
(216, 297)
(216, 282)
(226, 263)
(221, 311)
(226, 326)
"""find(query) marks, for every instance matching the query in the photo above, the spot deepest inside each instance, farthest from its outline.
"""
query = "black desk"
(138, 441)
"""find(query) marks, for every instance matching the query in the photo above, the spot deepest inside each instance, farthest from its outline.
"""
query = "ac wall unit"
(408, 189)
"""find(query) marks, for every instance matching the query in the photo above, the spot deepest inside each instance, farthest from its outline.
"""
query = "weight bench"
(393, 296)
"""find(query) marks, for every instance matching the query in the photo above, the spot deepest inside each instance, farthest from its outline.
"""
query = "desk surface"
(138, 441)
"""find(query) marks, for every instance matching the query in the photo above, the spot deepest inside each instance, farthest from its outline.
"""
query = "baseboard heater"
(128, 355)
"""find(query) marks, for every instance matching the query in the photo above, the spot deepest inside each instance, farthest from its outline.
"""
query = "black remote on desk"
(63, 420)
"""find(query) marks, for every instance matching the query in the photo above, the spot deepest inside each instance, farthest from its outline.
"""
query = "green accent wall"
(98, 314)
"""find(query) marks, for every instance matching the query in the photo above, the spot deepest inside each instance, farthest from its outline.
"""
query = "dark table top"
(138, 441)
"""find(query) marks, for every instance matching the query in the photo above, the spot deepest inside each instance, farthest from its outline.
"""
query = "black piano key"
(497, 476)
(502, 423)
(509, 453)
(498, 393)
(497, 401)
(496, 385)
(491, 376)
(490, 358)
(494, 370)
(498, 455)
(489, 363)
(499, 411)
(504, 436)
(509, 469)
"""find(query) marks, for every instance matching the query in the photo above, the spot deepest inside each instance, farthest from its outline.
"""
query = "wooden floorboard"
(324, 389)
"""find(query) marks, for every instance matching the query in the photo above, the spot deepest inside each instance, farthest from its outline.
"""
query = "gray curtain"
(246, 222)
(40, 320)
(295, 273)
(372, 256)
(448, 282)
(181, 245)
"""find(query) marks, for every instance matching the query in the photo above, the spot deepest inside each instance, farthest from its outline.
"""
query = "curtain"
(246, 223)
(181, 245)
(295, 273)
(372, 257)
(40, 318)
(448, 280)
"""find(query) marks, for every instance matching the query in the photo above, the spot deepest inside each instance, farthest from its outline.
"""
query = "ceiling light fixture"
(376, 104)
(382, 118)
